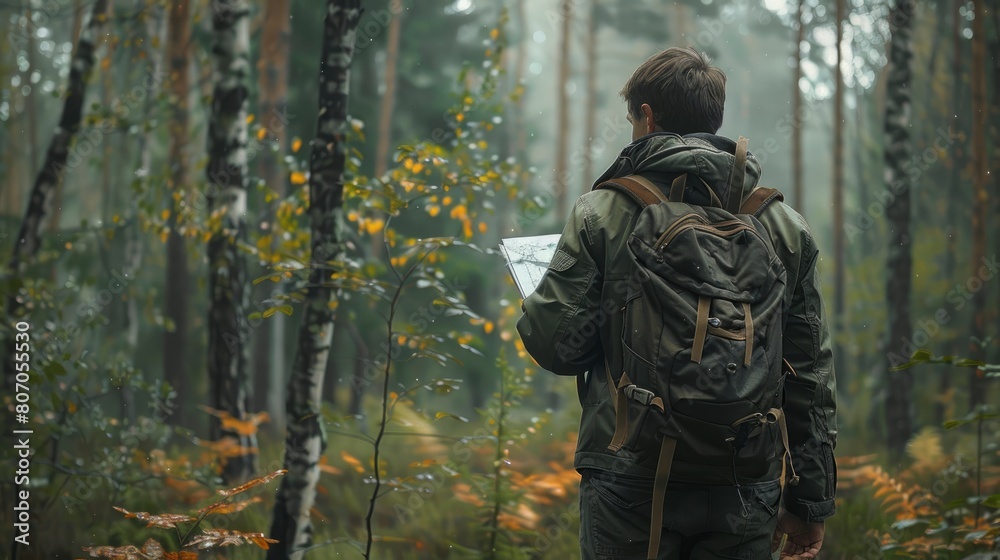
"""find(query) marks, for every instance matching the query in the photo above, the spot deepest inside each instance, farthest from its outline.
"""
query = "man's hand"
(804, 539)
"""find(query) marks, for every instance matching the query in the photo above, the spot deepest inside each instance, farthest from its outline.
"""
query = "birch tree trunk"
(898, 151)
(978, 386)
(28, 239)
(305, 438)
(269, 354)
(178, 281)
(228, 330)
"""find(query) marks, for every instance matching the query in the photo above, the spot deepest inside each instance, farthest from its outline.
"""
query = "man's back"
(573, 325)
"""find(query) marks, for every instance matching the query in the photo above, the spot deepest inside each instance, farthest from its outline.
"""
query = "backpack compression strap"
(638, 188)
(738, 176)
(759, 199)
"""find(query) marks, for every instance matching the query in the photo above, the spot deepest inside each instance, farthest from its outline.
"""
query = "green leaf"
(918, 357)
(907, 523)
(440, 415)
(992, 501)
(54, 369)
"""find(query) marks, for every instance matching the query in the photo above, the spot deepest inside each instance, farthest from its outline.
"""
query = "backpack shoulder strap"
(639, 189)
(759, 199)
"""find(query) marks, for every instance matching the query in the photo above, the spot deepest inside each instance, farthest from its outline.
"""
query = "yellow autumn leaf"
(460, 117)
(488, 327)
(417, 167)
(482, 227)
(250, 118)
(298, 178)
(261, 134)
(494, 33)
(468, 100)
(352, 461)
(296, 144)
(374, 226)
(433, 210)
(164, 214)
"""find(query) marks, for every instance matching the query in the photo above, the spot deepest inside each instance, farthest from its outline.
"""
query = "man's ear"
(647, 115)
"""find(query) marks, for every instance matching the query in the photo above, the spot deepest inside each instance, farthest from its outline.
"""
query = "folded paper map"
(528, 258)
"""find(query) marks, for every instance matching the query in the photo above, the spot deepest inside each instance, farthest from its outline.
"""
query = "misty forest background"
(233, 263)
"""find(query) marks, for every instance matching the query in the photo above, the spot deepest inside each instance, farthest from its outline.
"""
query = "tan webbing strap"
(737, 176)
(748, 322)
(659, 494)
(649, 186)
(758, 200)
(621, 415)
(677, 188)
(634, 189)
(714, 198)
(700, 329)
(786, 458)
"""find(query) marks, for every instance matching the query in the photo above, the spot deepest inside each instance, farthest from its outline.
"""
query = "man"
(571, 326)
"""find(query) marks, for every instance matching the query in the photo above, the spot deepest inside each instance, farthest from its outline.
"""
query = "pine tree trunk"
(840, 266)
(955, 204)
(28, 239)
(228, 286)
(796, 111)
(386, 109)
(562, 131)
(269, 352)
(899, 405)
(980, 200)
(178, 280)
(305, 439)
(591, 109)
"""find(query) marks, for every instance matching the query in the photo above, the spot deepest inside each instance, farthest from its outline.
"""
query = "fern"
(208, 539)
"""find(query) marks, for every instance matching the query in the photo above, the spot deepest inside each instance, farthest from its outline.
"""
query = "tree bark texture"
(305, 438)
(228, 328)
(840, 265)
(796, 111)
(978, 386)
(178, 278)
(54, 167)
(898, 151)
(562, 130)
(269, 353)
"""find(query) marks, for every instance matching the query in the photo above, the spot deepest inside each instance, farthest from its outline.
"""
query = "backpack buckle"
(637, 393)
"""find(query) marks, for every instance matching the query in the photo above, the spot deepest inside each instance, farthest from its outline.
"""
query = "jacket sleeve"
(559, 327)
(810, 396)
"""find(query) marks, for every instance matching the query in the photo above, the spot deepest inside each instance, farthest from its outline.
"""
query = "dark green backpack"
(701, 392)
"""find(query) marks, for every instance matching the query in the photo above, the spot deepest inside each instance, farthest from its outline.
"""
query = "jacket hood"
(661, 156)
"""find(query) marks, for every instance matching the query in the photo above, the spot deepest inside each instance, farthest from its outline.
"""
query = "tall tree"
(305, 438)
(228, 286)
(797, 110)
(57, 195)
(898, 151)
(840, 266)
(980, 180)
(178, 278)
(590, 111)
(28, 239)
(387, 106)
(269, 354)
(562, 99)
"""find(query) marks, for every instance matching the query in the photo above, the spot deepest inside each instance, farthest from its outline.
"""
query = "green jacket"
(572, 323)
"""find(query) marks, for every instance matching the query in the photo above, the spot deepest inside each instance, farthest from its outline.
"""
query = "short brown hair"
(686, 93)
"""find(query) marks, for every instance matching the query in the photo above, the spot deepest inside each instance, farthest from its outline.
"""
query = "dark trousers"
(700, 522)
